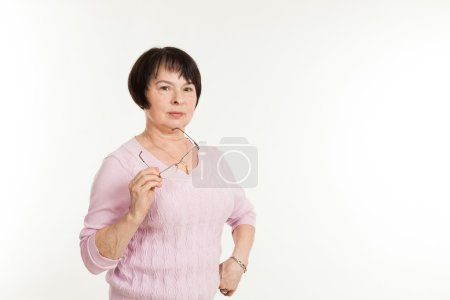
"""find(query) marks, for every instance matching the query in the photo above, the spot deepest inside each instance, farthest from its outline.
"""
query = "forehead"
(167, 75)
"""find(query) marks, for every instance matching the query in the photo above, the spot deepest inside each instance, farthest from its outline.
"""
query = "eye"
(188, 89)
(164, 88)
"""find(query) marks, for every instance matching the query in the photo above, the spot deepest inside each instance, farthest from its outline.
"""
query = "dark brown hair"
(148, 64)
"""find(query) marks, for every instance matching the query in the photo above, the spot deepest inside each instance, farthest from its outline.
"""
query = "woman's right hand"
(142, 191)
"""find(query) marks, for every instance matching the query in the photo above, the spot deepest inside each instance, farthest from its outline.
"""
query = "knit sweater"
(175, 253)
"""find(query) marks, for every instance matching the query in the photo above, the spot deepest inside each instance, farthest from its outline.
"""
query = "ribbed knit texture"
(175, 253)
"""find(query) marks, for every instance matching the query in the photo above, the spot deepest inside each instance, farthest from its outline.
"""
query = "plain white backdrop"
(346, 101)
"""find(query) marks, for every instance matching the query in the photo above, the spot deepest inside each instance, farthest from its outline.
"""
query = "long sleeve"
(109, 200)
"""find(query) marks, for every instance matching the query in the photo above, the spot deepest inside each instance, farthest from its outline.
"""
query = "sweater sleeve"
(109, 200)
(243, 212)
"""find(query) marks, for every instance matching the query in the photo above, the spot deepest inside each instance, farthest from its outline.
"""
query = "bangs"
(174, 64)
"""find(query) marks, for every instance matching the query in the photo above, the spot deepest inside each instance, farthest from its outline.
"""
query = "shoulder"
(126, 156)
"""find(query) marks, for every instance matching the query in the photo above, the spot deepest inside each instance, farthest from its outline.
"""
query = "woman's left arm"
(230, 270)
(243, 237)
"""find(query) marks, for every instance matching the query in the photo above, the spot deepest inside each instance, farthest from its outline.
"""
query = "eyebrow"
(171, 83)
(164, 81)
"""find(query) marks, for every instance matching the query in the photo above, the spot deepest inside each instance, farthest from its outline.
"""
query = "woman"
(154, 229)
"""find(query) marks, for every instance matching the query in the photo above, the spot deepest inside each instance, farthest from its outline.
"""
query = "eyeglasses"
(170, 170)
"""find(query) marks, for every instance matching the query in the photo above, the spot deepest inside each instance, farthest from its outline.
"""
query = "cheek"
(157, 111)
(159, 103)
(191, 108)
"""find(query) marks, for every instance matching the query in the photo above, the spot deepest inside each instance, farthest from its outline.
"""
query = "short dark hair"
(148, 64)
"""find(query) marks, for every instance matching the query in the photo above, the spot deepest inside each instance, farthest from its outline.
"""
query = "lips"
(176, 114)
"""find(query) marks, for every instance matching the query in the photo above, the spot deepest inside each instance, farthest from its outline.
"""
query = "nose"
(177, 99)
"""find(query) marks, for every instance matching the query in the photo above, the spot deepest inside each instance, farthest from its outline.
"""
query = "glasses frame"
(181, 160)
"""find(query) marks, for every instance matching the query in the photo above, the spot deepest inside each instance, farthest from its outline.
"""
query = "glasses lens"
(168, 172)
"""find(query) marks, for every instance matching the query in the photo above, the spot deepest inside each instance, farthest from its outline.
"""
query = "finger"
(151, 185)
(225, 292)
(144, 185)
(143, 179)
(146, 172)
(147, 177)
(149, 170)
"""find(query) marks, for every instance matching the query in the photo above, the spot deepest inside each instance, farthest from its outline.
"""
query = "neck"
(163, 137)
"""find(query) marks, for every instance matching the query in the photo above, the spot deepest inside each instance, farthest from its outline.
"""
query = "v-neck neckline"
(163, 165)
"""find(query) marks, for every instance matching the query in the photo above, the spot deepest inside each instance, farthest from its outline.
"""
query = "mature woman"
(155, 229)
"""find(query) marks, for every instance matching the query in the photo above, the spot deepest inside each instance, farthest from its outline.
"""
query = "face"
(172, 100)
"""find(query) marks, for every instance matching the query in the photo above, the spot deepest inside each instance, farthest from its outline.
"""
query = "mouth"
(176, 114)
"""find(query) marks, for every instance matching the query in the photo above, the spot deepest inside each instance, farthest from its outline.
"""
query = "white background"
(346, 101)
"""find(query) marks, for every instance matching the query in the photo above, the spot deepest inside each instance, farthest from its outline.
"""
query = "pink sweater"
(175, 253)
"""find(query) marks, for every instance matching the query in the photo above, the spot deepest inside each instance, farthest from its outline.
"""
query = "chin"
(175, 124)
